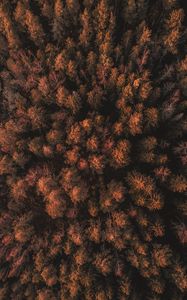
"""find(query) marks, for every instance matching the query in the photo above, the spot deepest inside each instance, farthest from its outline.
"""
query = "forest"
(93, 150)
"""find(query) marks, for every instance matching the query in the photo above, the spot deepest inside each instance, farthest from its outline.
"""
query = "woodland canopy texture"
(93, 150)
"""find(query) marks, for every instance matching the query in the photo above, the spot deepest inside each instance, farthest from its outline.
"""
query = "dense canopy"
(93, 150)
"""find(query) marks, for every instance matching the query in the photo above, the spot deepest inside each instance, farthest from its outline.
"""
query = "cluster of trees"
(92, 150)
